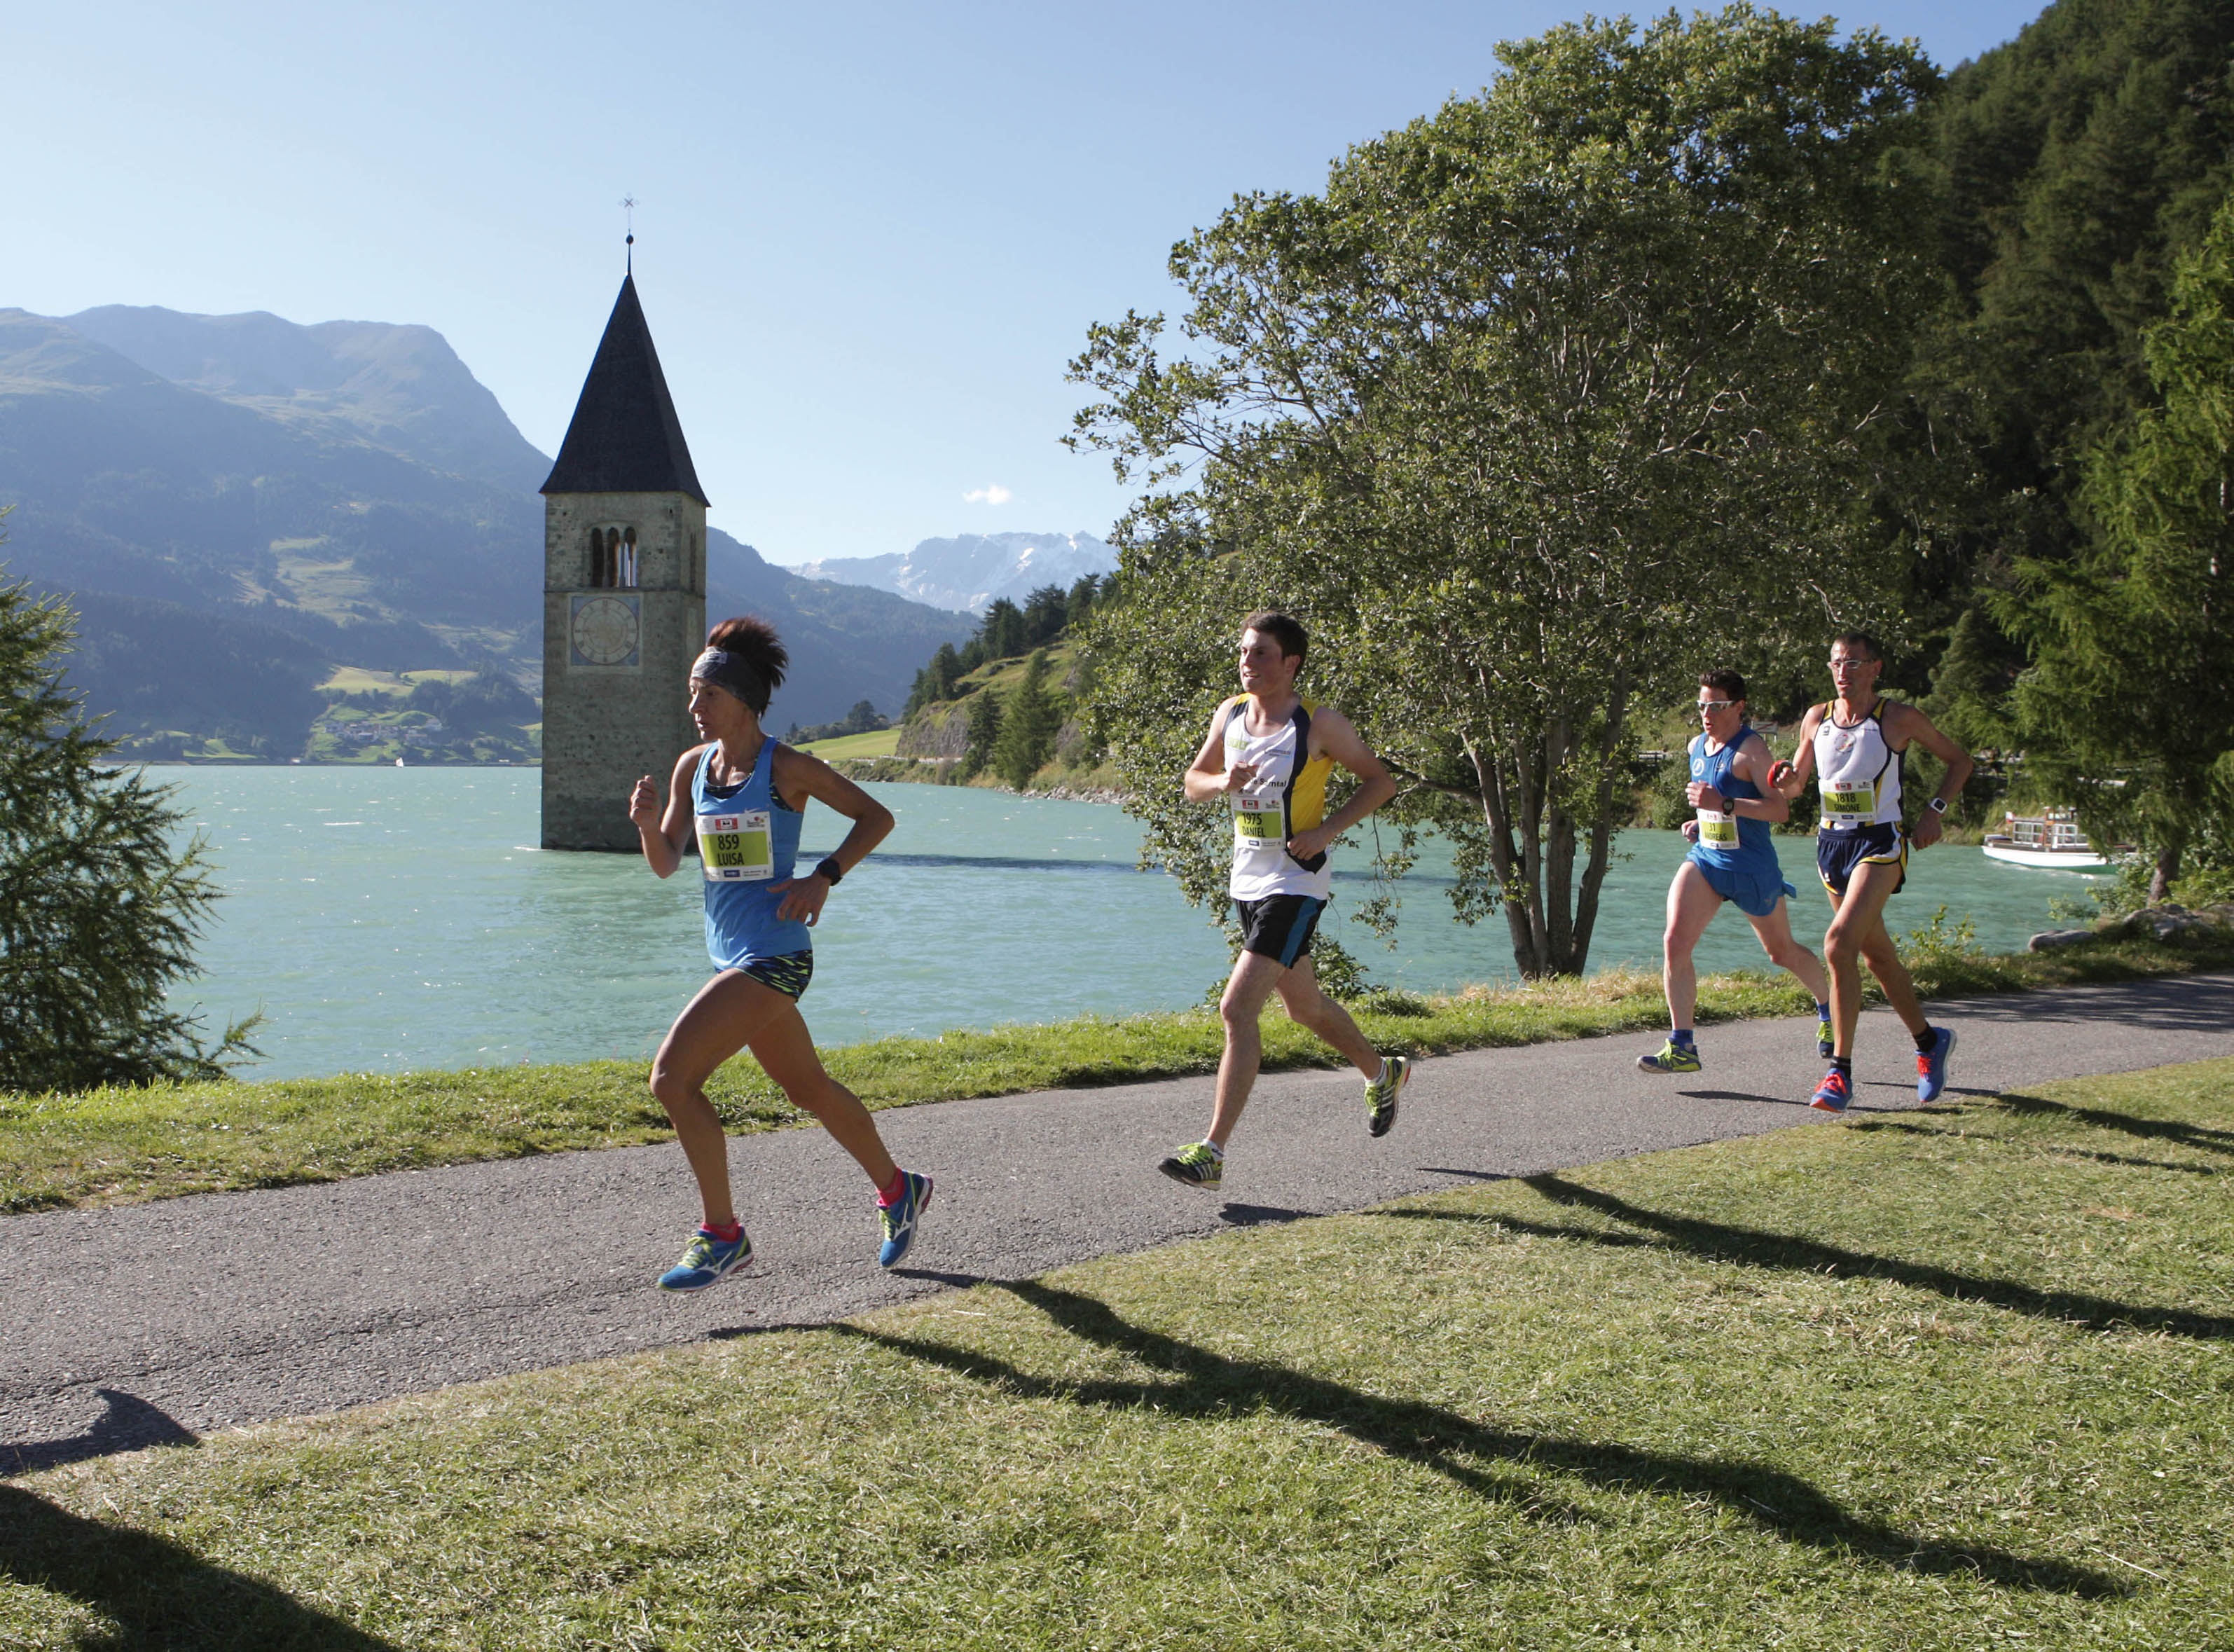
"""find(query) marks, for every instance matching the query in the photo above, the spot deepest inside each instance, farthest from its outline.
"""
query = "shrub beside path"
(144, 1323)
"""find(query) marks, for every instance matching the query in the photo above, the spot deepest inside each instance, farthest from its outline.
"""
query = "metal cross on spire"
(628, 205)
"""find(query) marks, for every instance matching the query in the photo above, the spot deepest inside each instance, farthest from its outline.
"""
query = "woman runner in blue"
(1731, 859)
(743, 794)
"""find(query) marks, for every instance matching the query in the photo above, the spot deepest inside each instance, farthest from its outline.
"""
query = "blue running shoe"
(901, 1218)
(706, 1259)
(1832, 1095)
(1932, 1065)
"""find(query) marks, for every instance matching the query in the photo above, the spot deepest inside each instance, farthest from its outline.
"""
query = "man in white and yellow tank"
(1268, 756)
(1854, 746)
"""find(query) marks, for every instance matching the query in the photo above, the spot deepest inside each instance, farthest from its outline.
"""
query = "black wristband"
(830, 871)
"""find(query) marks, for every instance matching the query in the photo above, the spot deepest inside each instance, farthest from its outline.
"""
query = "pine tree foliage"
(983, 732)
(1031, 718)
(2126, 708)
(2081, 161)
(99, 905)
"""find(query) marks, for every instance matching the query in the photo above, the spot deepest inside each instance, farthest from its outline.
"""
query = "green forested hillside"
(2080, 160)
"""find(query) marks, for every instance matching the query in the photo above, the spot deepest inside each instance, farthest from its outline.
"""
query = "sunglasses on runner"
(1716, 705)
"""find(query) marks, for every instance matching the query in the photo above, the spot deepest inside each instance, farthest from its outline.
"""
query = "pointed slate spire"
(624, 437)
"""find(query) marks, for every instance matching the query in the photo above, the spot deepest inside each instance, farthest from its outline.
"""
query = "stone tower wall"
(607, 722)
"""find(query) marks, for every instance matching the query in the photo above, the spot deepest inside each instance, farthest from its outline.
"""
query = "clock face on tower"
(605, 628)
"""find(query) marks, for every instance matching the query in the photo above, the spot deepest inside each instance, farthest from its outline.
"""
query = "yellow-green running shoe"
(1197, 1165)
(1381, 1094)
(1671, 1057)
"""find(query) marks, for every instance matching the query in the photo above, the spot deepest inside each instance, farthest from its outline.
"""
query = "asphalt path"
(158, 1323)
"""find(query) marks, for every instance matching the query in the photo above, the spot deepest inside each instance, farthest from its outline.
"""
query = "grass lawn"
(1956, 1378)
(123, 1145)
(877, 742)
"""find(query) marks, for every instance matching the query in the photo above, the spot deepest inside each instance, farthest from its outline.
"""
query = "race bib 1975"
(1256, 822)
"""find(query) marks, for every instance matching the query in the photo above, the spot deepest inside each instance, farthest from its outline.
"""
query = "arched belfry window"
(612, 559)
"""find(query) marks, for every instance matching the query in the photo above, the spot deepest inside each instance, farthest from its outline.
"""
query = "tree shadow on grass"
(1199, 1383)
(2202, 1138)
(1906, 1128)
(1787, 1252)
(161, 1595)
(127, 1423)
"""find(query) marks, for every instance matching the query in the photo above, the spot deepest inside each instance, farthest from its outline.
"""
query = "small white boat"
(2052, 841)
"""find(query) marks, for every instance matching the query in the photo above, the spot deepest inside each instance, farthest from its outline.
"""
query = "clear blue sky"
(870, 235)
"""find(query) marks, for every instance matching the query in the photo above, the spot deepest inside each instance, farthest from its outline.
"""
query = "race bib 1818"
(1851, 806)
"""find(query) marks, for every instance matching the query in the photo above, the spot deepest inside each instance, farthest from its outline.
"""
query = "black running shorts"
(1279, 927)
(788, 972)
(1838, 852)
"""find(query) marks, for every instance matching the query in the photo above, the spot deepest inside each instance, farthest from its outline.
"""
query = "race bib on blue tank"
(735, 848)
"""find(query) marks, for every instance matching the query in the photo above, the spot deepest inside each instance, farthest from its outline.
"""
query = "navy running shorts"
(786, 972)
(1838, 852)
(1279, 927)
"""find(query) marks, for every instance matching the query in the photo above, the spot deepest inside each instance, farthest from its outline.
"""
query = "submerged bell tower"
(623, 591)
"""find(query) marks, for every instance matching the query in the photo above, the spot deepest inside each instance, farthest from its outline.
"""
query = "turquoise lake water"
(385, 918)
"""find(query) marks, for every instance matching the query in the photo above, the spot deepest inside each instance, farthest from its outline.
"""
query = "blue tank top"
(747, 843)
(1730, 842)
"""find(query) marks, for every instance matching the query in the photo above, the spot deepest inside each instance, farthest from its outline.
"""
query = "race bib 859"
(736, 847)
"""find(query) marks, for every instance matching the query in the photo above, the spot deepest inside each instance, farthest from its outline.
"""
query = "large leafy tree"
(100, 902)
(1545, 404)
(2127, 708)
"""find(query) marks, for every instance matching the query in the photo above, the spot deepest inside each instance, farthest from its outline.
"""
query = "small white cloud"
(991, 493)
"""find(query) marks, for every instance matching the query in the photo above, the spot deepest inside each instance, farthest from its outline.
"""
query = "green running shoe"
(1672, 1057)
(1826, 1045)
(1381, 1094)
(1197, 1166)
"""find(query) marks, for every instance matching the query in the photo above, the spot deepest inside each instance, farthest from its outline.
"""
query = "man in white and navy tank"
(1732, 858)
(1268, 756)
(1854, 746)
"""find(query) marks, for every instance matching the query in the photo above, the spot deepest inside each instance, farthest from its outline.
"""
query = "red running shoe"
(1832, 1094)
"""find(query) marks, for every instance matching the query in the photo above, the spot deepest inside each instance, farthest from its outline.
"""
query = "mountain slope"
(970, 570)
(342, 494)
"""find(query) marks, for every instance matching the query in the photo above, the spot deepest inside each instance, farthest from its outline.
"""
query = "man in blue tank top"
(1732, 858)
(741, 796)
(1855, 745)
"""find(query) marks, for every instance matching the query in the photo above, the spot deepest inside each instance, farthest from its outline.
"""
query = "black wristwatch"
(830, 871)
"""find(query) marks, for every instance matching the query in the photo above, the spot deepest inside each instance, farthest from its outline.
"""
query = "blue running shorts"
(1754, 893)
